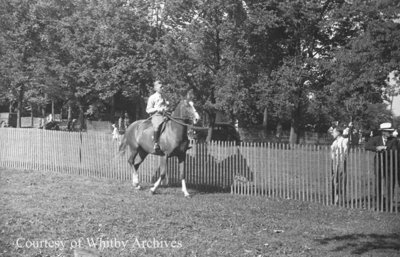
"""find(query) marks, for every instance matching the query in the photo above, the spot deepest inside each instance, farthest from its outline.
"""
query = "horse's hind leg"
(163, 171)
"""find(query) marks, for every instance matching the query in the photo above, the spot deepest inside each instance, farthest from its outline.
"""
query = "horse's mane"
(178, 112)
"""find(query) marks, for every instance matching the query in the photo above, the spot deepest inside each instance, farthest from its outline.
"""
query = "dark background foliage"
(262, 62)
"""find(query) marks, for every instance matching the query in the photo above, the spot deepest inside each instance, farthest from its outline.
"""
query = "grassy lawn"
(52, 214)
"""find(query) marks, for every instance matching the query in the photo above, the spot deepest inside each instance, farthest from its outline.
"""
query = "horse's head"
(186, 111)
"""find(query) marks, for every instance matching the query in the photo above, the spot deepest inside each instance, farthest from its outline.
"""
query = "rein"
(176, 119)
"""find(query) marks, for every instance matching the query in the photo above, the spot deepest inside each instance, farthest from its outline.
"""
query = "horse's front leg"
(181, 160)
(163, 171)
(135, 160)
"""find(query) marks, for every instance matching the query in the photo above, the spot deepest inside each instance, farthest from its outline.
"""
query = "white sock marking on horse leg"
(155, 185)
(135, 180)
(184, 190)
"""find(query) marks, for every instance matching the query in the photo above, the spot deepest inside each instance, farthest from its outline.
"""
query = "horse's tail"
(122, 145)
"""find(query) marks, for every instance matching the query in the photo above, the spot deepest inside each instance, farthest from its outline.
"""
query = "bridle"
(179, 121)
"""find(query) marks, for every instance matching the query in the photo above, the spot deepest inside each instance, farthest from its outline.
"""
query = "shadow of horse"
(205, 173)
(364, 243)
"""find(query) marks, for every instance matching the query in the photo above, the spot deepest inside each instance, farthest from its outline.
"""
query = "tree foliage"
(304, 62)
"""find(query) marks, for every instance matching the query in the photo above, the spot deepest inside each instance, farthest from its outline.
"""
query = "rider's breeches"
(156, 120)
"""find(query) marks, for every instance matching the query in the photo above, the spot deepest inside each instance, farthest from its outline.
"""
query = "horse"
(173, 142)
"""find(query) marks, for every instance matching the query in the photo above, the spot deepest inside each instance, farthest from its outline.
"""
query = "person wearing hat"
(381, 145)
(394, 175)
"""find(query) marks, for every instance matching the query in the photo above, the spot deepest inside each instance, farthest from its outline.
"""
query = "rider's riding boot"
(156, 139)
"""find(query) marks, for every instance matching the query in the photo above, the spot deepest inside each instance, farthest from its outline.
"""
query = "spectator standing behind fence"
(381, 144)
(394, 145)
(339, 153)
(127, 121)
(115, 133)
(121, 126)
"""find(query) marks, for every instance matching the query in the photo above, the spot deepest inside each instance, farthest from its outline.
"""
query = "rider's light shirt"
(156, 103)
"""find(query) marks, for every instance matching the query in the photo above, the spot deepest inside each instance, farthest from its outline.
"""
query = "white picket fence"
(301, 172)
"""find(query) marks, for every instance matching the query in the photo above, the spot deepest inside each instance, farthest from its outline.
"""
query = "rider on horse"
(156, 105)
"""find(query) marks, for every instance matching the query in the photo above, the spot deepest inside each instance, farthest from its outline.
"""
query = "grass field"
(53, 214)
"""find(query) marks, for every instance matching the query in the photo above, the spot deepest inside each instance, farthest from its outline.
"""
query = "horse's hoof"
(138, 187)
(188, 196)
(152, 192)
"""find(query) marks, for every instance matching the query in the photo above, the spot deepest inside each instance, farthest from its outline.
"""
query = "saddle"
(147, 128)
(146, 125)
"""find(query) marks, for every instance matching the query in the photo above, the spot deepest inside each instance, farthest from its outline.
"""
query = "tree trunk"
(137, 111)
(112, 113)
(52, 109)
(69, 112)
(32, 124)
(43, 110)
(19, 114)
(42, 119)
(19, 109)
(81, 118)
(265, 120)
(293, 135)
(294, 127)
(211, 116)
(279, 131)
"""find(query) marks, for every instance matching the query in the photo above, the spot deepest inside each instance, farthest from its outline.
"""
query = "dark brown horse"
(173, 142)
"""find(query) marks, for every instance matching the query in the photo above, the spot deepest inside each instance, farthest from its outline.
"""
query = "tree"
(98, 50)
(20, 37)
(207, 40)
(287, 87)
(297, 61)
(342, 40)
(360, 68)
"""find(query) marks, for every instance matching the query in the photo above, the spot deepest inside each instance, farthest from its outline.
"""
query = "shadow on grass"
(199, 189)
(165, 189)
(363, 243)
(218, 180)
